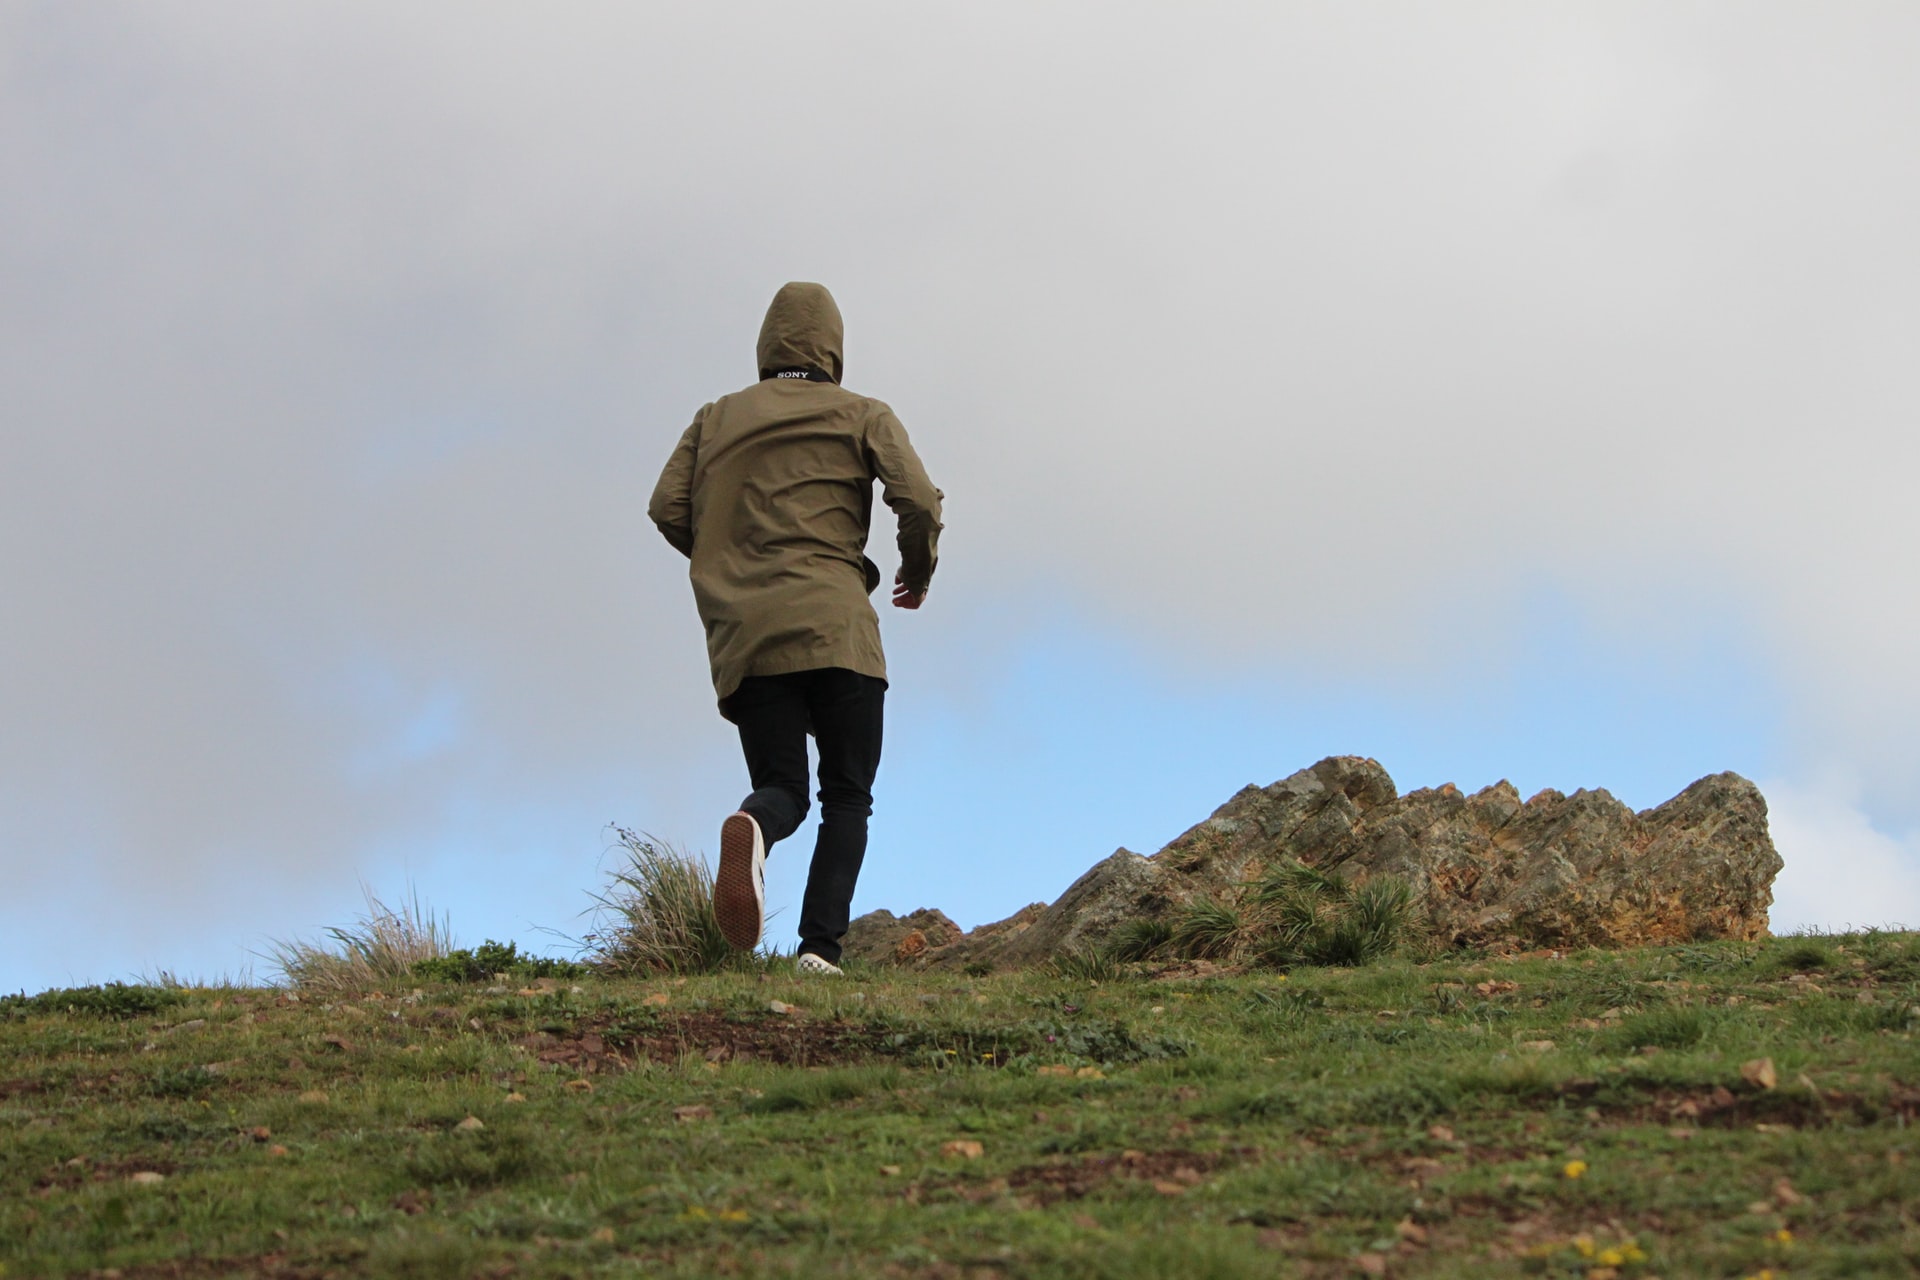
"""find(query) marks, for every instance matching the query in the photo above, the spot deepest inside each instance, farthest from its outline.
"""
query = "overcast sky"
(1498, 390)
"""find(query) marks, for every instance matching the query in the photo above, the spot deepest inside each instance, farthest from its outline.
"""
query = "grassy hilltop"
(1720, 1109)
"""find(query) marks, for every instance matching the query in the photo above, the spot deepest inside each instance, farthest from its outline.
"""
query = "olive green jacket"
(770, 494)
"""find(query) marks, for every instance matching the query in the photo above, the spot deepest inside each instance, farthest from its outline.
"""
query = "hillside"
(1719, 1109)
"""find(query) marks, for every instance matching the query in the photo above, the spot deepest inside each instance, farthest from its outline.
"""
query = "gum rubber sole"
(735, 904)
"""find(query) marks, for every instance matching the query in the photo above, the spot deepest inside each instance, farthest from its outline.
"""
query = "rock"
(1487, 870)
(884, 938)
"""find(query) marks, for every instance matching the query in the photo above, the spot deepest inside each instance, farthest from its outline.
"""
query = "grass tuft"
(1677, 1027)
(1140, 939)
(1207, 930)
(1088, 964)
(1801, 955)
(658, 914)
(1306, 915)
(383, 946)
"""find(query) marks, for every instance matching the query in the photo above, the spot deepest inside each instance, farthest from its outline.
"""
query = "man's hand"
(905, 599)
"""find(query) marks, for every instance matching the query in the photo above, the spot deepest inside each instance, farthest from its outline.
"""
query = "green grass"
(1425, 1115)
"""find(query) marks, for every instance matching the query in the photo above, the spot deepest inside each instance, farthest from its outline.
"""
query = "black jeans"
(843, 711)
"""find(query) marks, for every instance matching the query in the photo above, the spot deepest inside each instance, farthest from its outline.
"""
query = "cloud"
(1841, 871)
(341, 343)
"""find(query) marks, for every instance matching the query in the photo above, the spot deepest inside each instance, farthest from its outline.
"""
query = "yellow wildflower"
(1784, 1236)
(1575, 1168)
(1583, 1243)
(1610, 1257)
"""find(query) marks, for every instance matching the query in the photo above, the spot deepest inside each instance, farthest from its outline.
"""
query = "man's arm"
(915, 503)
(671, 507)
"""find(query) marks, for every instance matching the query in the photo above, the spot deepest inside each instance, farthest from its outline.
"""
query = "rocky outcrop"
(1487, 869)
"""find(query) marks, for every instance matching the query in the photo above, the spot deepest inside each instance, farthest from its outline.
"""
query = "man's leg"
(771, 713)
(847, 710)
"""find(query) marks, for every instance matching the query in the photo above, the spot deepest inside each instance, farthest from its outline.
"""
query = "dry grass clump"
(1295, 914)
(657, 915)
(383, 945)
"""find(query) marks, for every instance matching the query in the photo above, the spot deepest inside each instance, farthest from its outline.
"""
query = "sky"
(1496, 390)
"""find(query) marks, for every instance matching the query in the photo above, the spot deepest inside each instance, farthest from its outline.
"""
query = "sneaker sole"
(735, 904)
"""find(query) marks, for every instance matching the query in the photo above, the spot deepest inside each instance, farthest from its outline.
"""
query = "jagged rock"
(884, 937)
(1486, 869)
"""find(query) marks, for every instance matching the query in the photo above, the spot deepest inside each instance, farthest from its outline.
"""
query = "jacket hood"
(802, 331)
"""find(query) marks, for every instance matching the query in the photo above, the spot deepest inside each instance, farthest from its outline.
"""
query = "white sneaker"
(740, 886)
(810, 965)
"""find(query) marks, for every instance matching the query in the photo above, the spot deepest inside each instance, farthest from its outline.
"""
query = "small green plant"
(490, 959)
(115, 1000)
(384, 945)
(658, 913)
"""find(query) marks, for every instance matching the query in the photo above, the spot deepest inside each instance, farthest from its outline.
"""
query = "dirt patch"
(1170, 1172)
(781, 1040)
(21, 1088)
(1791, 1107)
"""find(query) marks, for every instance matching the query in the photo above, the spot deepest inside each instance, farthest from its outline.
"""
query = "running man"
(770, 494)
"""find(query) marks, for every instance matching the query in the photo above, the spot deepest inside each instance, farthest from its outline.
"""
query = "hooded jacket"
(770, 495)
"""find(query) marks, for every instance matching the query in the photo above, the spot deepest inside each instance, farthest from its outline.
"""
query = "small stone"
(1440, 1133)
(147, 1178)
(276, 1150)
(515, 1097)
(1759, 1073)
(470, 1124)
(1783, 1192)
(1537, 1046)
(579, 1086)
(698, 1111)
(782, 1007)
(314, 1096)
(964, 1148)
(889, 1170)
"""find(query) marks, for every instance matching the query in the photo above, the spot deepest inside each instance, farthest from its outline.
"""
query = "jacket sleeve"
(671, 507)
(907, 490)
